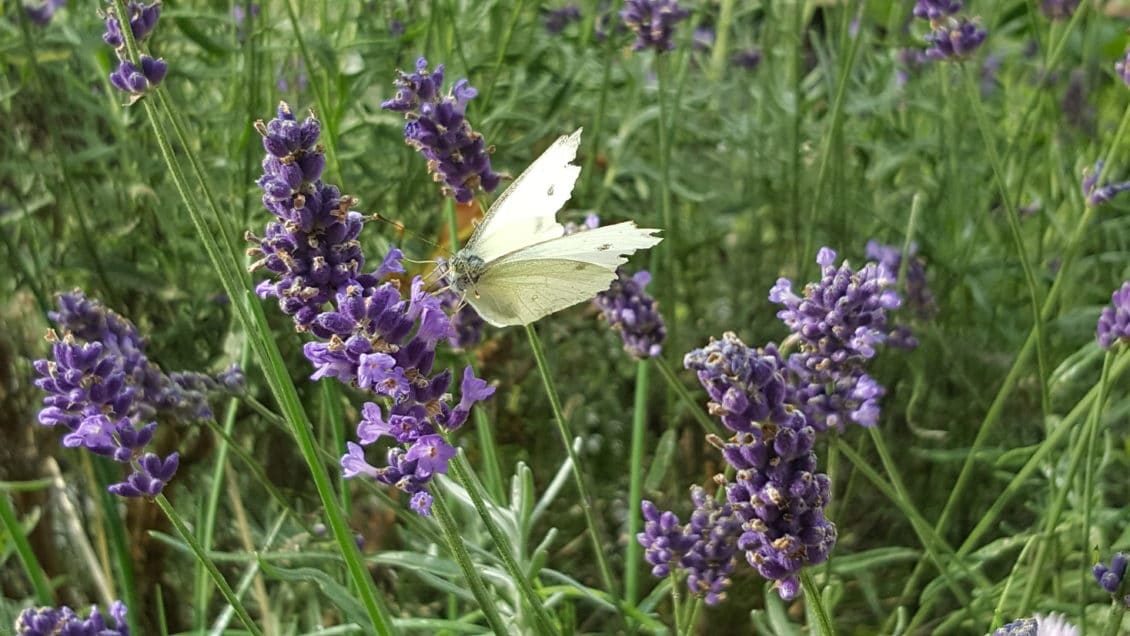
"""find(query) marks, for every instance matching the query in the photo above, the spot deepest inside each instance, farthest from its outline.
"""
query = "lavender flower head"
(41, 13)
(438, 129)
(748, 59)
(954, 38)
(142, 21)
(634, 313)
(704, 549)
(1039, 625)
(1122, 68)
(936, 9)
(1112, 577)
(653, 22)
(467, 324)
(776, 493)
(1114, 321)
(557, 19)
(1096, 194)
(63, 621)
(101, 389)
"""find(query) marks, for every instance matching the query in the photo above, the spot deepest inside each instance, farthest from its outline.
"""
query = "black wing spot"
(549, 192)
(579, 267)
(604, 248)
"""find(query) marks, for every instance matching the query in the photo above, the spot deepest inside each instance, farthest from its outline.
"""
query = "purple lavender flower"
(1122, 68)
(776, 494)
(634, 313)
(102, 389)
(1097, 195)
(704, 549)
(1059, 9)
(749, 59)
(1111, 578)
(63, 621)
(1039, 625)
(366, 332)
(557, 19)
(839, 324)
(438, 129)
(702, 39)
(936, 9)
(653, 22)
(41, 13)
(919, 298)
(128, 78)
(142, 20)
(954, 38)
(1114, 322)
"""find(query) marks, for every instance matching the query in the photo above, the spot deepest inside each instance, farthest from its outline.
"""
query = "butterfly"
(520, 266)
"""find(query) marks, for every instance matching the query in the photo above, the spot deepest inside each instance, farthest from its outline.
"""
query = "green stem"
(1114, 619)
(670, 224)
(813, 600)
(23, 550)
(635, 484)
(574, 461)
(454, 540)
(321, 93)
(202, 557)
(514, 15)
(505, 548)
(1089, 473)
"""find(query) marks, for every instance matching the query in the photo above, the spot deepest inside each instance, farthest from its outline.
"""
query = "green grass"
(995, 479)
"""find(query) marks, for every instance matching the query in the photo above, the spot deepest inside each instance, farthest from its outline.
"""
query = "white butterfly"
(519, 264)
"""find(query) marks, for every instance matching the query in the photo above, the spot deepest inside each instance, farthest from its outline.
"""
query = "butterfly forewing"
(526, 213)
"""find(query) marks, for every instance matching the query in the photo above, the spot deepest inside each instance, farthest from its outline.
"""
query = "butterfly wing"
(540, 279)
(526, 213)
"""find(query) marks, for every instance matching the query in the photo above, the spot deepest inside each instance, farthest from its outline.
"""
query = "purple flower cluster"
(1039, 625)
(916, 291)
(134, 79)
(839, 323)
(954, 38)
(41, 13)
(936, 9)
(438, 129)
(634, 313)
(704, 549)
(1112, 577)
(102, 389)
(557, 19)
(748, 59)
(367, 334)
(776, 493)
(63, 621)
(1059, 9)
(1097, 195)
(1114, 321)
(311, 247)
(1122, 68)
(653, 22)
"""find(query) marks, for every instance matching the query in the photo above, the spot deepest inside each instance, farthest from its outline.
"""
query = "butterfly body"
(519, 265)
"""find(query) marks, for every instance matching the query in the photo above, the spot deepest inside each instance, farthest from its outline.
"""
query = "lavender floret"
(128, 78)
(1122, 68)
(936, 9)
(919, 298)
(1096, 194)
(41, 13)
(557, 19)
(1114, 321)
(748, 59)
(653, 22)
(63, 621)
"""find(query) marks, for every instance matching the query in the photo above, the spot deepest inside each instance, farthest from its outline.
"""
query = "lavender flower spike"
(41, 13)
(1114, 321)
(52, 621)
(953, 39)
(653, 22)
(438, 129)
(634, 313)
(936, 9)
(128, 78)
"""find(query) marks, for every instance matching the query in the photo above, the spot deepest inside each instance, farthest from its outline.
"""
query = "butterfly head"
(464, 271)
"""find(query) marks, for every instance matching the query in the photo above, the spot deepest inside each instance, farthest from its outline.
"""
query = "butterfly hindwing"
(520, 292)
